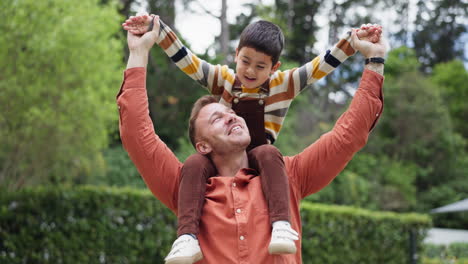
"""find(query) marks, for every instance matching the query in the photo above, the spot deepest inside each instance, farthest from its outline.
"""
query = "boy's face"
(253, 67)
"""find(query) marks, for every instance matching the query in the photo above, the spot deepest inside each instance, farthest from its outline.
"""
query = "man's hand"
(145, 41)
(139, 47)
(370, 49)
(367, 47)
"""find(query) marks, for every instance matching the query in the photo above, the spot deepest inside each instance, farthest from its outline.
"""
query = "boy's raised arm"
(328, 61)
(210, 76)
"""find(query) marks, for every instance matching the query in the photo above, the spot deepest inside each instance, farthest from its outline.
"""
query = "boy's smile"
(253, 67)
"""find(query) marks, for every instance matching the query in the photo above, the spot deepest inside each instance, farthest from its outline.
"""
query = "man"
(235, 226)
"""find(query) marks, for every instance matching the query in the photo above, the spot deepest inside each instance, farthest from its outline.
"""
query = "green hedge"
(453, 253)
(340, 234)
(84, 225)
(110, 225)
(445, 260)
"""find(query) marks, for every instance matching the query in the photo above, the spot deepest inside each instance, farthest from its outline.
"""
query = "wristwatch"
(375, 60)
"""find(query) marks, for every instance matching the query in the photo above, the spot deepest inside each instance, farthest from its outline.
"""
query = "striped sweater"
(282, 88)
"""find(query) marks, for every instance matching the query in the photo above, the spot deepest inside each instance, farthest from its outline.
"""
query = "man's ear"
(203, 147)
(275, 67)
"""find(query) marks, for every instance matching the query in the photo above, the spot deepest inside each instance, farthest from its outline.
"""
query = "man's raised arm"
(212, 77)
(156, 163)
(322, 161)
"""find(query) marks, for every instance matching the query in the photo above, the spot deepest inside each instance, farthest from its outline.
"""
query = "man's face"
(220, 130)
(253, 67)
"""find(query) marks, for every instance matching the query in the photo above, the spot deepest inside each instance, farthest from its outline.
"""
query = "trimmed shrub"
(84, 225)
(444, 261)
(110, 225)
(453, 253)
(341, 234)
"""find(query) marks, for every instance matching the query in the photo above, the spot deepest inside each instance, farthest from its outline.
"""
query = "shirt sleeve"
(321, 162)
(296, 80)
(212, 77)
(156, 163)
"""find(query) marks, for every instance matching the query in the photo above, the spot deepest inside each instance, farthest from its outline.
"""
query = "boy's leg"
(268, 161)
(195, 172)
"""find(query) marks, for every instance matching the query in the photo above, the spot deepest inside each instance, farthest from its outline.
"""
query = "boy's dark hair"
(265, 37)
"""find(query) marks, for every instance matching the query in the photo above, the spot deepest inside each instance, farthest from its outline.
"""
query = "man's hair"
(197, 106)
(265, 37)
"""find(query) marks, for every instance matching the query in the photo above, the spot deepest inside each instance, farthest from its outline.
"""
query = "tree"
(416, 129)
(61, 66)
(439, 26)
(452, 78)
(224, 36)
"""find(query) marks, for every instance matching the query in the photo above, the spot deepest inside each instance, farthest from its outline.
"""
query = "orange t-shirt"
(235, 226)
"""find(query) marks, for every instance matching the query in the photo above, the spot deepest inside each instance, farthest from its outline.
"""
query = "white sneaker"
(185, 250)
(282, 238)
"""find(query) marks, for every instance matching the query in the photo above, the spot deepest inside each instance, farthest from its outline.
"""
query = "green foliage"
(416, 127)
(101, 224)
(414, 160)
(60, 67)
(185, 149)
(171, 94)
(83, 225)
(444, 261)
(347, 189)
(119, 170)
(440, 24)
(453, 253)
(401, 60)
(391, 181)
(452, 80)
(299, 31)
(373, 182)
(332, 234)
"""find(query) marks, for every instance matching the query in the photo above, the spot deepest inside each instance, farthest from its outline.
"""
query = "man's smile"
(234, 128)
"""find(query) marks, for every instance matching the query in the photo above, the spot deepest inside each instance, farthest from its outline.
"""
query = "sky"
(201, 29)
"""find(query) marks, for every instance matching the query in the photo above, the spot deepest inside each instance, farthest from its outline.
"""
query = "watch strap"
(375, 60)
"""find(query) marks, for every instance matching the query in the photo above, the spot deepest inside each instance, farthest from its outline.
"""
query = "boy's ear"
(203, 147)
(275, 67)
(237, 53)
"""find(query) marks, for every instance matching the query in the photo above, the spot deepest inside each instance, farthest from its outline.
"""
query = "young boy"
(261, 95)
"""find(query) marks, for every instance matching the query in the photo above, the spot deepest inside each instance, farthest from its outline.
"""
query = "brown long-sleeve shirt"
(235, 225)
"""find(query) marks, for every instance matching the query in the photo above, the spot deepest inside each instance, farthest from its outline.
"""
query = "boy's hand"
(369, 32)
(139, 25)
(142, 42)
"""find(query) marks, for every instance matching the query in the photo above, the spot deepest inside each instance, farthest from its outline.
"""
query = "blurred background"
(62, 62)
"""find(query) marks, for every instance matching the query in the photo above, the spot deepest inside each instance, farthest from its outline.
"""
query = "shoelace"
(286, 233)
(175, 248)
(180, 242)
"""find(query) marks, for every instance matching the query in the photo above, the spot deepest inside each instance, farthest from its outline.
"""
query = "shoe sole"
(185, 260)
(281, 249)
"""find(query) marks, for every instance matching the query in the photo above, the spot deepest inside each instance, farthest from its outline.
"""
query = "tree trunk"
(290, 14)
(224, 31)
